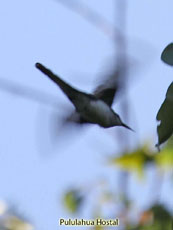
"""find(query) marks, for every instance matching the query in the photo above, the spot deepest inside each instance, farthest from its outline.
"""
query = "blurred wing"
(75, 117)
(105, 92)
(106, 95)
(108, 89)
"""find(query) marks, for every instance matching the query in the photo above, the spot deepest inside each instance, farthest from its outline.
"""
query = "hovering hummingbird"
(89, 108)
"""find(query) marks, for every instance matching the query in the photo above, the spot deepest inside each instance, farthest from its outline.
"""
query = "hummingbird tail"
(62, 84)
(126, 126)
(66, 88)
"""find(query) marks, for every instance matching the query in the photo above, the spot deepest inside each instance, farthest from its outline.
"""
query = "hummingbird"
(89, 108)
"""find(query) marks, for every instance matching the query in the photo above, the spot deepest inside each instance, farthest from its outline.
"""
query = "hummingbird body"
(98, 112)
(89, 108)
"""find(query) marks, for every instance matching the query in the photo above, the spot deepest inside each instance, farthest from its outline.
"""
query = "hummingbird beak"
(126, 126)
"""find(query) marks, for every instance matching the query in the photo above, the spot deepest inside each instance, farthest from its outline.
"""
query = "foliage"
(10, 220)
(155, 218)
(167, 54)
(165, 113)
(73, 200)
(137, 160)
(164, 159)
(134, 161)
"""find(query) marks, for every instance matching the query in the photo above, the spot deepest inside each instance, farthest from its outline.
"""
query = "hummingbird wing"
(76, 118)
(105, 92)
(108, 89)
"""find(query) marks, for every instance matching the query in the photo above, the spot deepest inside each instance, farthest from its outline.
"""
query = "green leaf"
(165, 116)
(134, 161)
(98, 227)
(161, 214)
(165, 158)
(167, 54)
(169, 144)
(73, 200)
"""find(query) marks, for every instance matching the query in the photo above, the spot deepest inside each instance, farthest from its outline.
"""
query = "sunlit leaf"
(134, 161)
(169, 143)
(98, 227)
(73, 200)
(167, 54)
(165, 158)
(165, 116)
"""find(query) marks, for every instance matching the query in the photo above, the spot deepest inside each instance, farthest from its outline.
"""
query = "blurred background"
(51, 170)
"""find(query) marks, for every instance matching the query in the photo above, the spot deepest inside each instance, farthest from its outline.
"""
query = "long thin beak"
(126, 126)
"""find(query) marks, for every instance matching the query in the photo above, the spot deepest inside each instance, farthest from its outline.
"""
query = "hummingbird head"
(118, 122)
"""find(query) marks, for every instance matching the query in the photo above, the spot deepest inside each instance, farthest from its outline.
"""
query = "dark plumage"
(89, 108)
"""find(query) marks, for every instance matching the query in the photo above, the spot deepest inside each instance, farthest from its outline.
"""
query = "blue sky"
(45, 31)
